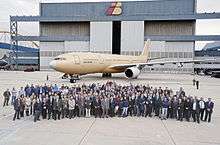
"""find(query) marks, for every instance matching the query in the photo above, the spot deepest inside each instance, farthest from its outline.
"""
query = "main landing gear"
(106, 75)
(74, 78)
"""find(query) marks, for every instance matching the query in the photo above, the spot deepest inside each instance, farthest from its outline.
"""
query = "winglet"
(146, 48)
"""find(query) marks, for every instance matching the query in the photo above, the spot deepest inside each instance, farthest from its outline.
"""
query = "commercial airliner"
(80, 63)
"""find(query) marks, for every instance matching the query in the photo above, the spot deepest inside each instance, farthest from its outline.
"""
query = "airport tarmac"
(122, 131)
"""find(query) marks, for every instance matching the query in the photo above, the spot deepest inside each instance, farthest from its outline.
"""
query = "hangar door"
(116, 37)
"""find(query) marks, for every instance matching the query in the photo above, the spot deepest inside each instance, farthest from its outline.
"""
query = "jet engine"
(132, 72)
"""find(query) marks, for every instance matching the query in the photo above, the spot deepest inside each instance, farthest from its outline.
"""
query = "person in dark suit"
(17, 108)
(112, 107)
(44, 109)
(209, 105)
(6, 95)
(49, 104)
(202, 108)
(157, 104)
(180, 108)
(38, 110)
(170, 108)
(60, 107)
(149, 107)
(187, 108)
(175, 107)
(55, 107)
(97, 106)
(195, 110)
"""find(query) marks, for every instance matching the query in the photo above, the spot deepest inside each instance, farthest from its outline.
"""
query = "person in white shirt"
(195, 110)
(21, 92)
(202, 108)
(72, 104)
(13, 95)
(27, 105)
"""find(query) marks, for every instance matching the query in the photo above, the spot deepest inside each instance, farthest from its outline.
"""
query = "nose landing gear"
(106, 75)
(74, 78)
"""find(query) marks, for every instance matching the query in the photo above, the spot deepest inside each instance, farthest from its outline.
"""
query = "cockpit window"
(59, 58)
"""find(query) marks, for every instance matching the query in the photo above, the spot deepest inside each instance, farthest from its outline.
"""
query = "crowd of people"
(106, 100)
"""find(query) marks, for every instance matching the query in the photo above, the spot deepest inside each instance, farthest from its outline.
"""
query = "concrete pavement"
(123, 131)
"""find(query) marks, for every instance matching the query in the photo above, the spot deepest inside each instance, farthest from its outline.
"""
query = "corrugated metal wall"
(132, 37)
(169, 28)
(74, 28)
(101, 37)
(48, 50)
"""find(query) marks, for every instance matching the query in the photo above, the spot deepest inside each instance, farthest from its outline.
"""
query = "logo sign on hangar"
(115, 9)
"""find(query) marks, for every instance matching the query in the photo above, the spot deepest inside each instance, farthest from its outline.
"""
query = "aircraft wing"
(151, 63)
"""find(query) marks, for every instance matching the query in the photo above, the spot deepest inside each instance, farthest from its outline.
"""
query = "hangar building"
(119, 28)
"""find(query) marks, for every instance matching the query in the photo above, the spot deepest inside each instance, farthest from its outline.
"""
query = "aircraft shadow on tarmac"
(147, 78)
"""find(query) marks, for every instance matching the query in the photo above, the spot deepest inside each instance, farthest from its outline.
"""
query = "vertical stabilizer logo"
(115, 9)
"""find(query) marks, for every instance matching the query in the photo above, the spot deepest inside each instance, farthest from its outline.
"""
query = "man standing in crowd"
(187, 109)
(125, 107)
(60, 106)
(105, 106)
(27, 105)
(13, 95)
(202, 108)
(88, 103)
(165, 105)
(175, 107)
(72, 104)
(157, 104)
(49, 107)
(195, 110)
(17, 108)
(209, 109)
(180, 108)
(38, 109)
(65, 106)
(55, 106)
(149, 106)
(81, 105)
(44, 109)
(97, 107)
(6, 95)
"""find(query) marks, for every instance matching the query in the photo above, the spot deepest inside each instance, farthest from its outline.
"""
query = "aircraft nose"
(53, 64)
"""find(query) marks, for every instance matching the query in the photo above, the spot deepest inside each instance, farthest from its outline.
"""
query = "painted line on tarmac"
(88, 130)
(168, 133)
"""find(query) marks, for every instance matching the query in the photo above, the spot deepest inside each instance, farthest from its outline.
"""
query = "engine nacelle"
(132, 72)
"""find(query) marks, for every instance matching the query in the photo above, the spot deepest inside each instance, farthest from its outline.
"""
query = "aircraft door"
(76, 59)
(101, 59)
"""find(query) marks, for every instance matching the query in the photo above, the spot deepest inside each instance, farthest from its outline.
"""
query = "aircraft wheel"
(72, 81)
(109, 75)
(103, 75)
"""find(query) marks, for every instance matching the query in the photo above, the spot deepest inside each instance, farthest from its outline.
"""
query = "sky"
(31, 7)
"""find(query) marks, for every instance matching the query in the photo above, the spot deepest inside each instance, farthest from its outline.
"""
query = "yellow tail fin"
(146, 49)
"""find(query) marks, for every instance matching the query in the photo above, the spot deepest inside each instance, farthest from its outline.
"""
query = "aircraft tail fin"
(145, 51)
